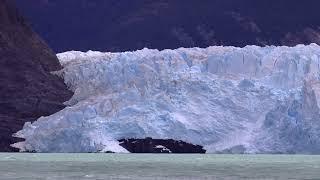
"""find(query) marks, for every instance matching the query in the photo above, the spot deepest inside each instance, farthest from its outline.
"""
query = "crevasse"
(251, 100)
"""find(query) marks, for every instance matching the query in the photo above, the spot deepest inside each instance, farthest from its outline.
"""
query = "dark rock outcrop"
(27, 88)
(149, 145)
(113, 25)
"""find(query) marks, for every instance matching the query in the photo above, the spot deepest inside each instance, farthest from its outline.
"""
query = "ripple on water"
(156, 166)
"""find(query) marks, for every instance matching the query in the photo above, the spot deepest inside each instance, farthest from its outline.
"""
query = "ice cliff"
(227, 99)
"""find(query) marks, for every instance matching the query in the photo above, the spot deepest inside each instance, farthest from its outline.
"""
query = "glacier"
(227, 99)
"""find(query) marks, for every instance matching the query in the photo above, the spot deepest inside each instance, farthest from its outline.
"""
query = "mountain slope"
(27, 88)
(113, 25)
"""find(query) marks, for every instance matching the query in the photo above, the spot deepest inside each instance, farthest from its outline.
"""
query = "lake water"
(156, 166)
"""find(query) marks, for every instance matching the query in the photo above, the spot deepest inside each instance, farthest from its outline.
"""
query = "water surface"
(157, 166)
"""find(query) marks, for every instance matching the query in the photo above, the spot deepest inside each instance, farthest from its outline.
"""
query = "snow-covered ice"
(228, 99)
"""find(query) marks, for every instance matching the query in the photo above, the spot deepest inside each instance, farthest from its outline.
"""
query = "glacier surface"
(227, 99)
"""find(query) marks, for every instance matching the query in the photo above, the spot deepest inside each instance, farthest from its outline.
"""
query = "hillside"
(27, 88)
(113, 25)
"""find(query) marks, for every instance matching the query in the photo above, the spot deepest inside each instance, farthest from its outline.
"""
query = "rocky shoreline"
(149, 145)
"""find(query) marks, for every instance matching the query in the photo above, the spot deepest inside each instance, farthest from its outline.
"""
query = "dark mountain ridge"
(113, 25)
(27, 88)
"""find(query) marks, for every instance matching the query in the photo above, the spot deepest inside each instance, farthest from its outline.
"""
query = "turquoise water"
(156, 166)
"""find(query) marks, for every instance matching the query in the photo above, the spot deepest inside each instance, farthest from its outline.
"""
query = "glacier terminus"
(226, 99)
